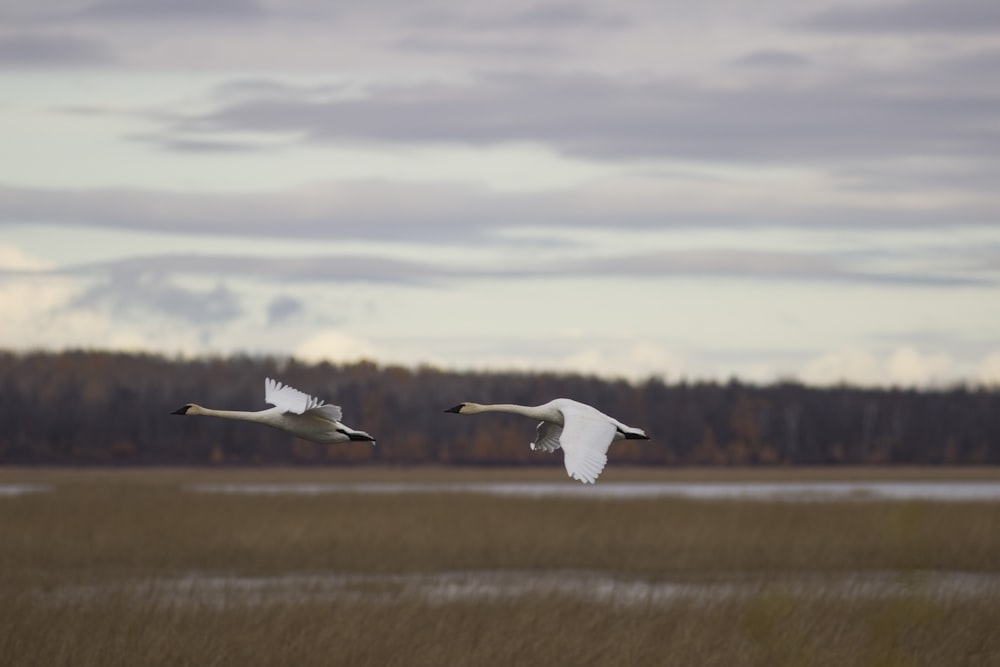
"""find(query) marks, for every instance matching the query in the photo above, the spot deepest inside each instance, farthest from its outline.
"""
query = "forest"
(103, 408)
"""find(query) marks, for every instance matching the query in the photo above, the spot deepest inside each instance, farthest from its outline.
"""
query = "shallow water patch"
(10, 490)
(765, 491)
(222, 591)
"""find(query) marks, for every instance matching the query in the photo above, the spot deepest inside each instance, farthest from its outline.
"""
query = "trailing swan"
(583, 432)
(294, 411)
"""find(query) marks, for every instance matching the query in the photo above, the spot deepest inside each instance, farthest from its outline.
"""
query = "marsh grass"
(71, 559)
(135, 524)
(770, 629)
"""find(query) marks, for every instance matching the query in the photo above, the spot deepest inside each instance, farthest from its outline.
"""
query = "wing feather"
(327, 411)
(585, 441)
(547, 439)
(290, 399)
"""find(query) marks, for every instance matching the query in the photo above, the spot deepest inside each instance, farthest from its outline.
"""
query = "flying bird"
(294, 411)
(584, 433)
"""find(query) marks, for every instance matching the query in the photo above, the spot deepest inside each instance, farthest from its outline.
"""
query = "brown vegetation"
(769, 630)
(138, 523)
(82, 572)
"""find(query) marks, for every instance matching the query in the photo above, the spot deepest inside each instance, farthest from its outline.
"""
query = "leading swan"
(583, 432)
(294, 411)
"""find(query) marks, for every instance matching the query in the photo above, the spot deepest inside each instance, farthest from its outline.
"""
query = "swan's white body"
(584, 433)
(294, 411)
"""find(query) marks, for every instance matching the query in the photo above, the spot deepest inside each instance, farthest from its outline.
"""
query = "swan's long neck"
(543, 412)
(260, 417)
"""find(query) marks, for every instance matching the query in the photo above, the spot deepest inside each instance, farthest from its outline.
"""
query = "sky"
(780, 190)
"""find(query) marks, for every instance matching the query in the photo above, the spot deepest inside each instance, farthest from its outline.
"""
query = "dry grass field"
(125, 567)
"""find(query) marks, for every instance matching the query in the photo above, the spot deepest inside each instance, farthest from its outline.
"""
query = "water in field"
(447, 587)
(792, 491)
(21, 489)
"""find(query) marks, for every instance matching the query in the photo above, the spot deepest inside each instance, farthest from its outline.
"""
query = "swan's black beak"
(181, 410)
(457, 409)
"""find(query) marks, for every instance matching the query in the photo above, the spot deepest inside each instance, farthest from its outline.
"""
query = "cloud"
(37, 314)
(173, 10)
(903, 366)
(459, 212)
(920, 16)
(328, 268)
(140, 280)
(635, 360)
(533, 31)
(765, 265)
(15, 259)
(976, 64)
(548, 17)
(989, 370)
(136, 295)
(476, 46)
(339, 210)
(182, 145)
(773, 59)
(908, 366)
(597, 117)
(969, 176)
(283, 308)
(50, 50)
(562, 15)
(334, 345)
(420, 218)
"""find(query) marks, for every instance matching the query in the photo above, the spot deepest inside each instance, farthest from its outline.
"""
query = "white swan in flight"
(583, 432)
(294, 411)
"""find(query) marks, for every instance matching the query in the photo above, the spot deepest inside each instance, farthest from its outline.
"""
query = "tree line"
(87, 407)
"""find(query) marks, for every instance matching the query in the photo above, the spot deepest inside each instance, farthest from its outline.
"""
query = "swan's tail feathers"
(289, 399)
(626, 432)
(362, 436)
(355, 435)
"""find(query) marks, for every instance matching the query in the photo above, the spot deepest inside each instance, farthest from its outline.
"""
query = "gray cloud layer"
(772, 58)
(945, 110)
(284, 308)
(137, 293)
(172, 10)
(818, 109)
(48, 50)
(142, 286)
(920, 16)
(815, 122)
(442, 212)
(343, 269)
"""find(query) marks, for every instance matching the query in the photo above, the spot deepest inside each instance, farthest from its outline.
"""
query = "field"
(123, 567)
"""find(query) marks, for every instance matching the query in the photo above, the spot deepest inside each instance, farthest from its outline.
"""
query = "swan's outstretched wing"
(547, 439)
(290, 399)
(327, 411)
(585, 440)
